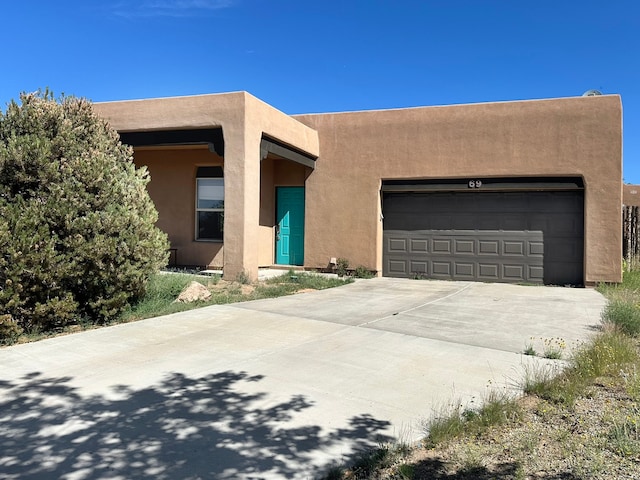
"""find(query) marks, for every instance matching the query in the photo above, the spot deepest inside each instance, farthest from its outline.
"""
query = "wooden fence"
(630, 235)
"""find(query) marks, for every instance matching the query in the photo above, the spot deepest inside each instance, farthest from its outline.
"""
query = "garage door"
(515, 237)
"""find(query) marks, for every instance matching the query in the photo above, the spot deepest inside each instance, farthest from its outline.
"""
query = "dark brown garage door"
(529, 237)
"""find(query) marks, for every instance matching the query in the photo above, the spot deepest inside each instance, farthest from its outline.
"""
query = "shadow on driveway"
(179, 428)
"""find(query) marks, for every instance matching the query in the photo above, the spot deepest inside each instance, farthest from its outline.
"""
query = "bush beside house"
(77, 228)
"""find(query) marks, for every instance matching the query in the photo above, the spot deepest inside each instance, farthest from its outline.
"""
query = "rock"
(194, 292)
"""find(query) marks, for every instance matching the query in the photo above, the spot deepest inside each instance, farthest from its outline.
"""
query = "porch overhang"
(268, 146)
(201, 136)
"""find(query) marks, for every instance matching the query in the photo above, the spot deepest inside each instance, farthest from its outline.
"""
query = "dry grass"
(593, 438)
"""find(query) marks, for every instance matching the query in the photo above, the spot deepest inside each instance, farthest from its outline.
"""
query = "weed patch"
(554, 348)
(362, 272)
(162, 290)
(624, 436)
(607, 354)
(530, 350)
(497, 408)
(624, 314)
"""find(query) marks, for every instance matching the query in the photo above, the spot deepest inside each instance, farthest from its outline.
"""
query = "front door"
(290, 225)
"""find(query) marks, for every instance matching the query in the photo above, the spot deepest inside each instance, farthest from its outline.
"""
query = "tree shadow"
(179, 428)
(436, 469)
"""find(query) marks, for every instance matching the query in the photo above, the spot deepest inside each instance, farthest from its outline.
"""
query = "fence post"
(627, 234)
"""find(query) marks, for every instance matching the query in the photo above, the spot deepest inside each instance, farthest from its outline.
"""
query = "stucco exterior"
(244, 120)
(355, 152)
(631, 195)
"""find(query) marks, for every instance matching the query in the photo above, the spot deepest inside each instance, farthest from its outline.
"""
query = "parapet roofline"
(447, 105)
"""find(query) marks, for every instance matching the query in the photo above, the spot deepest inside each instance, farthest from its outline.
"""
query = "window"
(209, 203)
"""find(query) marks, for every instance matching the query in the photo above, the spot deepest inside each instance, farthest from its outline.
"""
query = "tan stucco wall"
(631, 195)
(579, 136)
(173, 175)
(173, 189)
(244, 120)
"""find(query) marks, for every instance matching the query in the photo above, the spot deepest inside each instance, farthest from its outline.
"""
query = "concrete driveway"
(279, 388)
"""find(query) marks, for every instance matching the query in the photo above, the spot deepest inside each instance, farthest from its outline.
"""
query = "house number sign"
(475, 183)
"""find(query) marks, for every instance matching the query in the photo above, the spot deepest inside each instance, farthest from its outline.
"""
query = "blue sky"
(302, 56)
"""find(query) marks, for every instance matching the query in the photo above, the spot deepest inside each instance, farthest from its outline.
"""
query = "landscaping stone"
(194, 292)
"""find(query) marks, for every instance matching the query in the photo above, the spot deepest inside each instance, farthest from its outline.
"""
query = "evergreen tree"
(77, 227)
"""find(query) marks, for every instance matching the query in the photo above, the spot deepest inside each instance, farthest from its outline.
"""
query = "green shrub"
(362, 272)
(9, 329)
(624, 314)
(342, 267)
(77, 227)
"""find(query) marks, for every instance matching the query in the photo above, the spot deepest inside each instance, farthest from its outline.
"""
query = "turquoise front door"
(290, 225)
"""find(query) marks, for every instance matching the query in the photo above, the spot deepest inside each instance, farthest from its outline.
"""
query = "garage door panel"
(536, 273)
(536, 248)
(513, 272)
(442, 246)
(513, 247)
(419, 267)
(441, 269)
(530, 244)
(489, 271)
(488, 247)
(418, 245)
(398, 268)
(464, 246)
(465, 270)
(397, 245)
